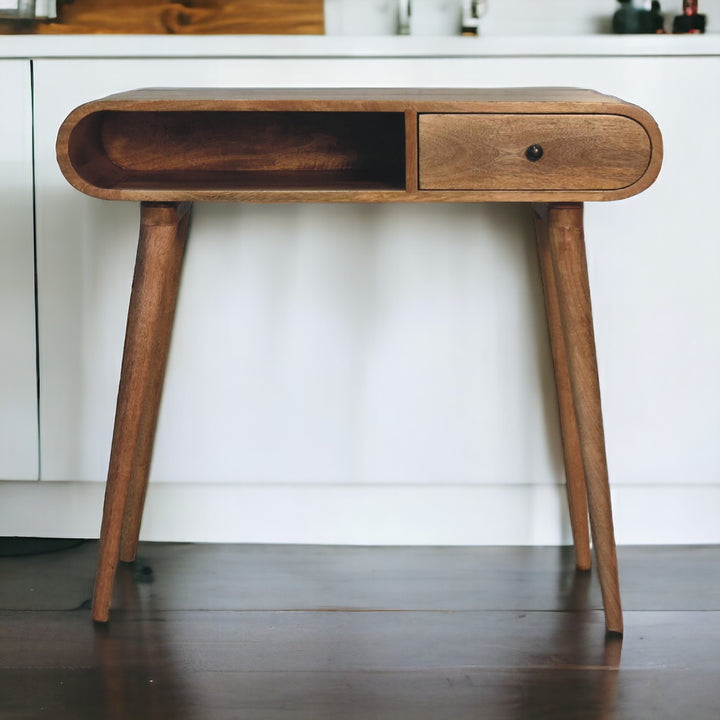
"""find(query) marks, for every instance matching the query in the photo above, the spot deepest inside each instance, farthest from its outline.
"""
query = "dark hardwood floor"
(212, 632)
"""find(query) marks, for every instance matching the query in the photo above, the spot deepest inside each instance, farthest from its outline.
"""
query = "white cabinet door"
(388, 345)
(18, 373)
(313, 345)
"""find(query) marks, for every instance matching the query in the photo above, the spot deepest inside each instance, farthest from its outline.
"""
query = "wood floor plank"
(388, 647)
(329, 664)
(310, 641)
(279, 577)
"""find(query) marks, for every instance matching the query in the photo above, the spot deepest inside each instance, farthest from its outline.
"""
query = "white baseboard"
(364, 515)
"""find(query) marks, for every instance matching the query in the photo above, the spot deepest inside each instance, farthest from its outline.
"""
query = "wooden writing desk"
(555, 148)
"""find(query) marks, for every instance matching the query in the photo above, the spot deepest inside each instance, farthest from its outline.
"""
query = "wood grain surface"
(163, 230)
(488, 152)
(572, 455)
(217, 632)
(162, 17)
(183, 142)
(235, 145)
(566, 244)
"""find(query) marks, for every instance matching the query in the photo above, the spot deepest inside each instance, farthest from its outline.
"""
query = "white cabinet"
(314, 345)
(372, 373)
(18, 380)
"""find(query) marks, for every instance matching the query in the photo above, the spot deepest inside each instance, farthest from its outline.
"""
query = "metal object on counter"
(473, 10)
(464, 15)
(25, 10)
(404, 12)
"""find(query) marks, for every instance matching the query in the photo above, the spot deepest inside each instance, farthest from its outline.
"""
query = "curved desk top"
(360, 145)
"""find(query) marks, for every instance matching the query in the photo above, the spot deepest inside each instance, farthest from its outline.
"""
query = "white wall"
(372, 374)
(503, 17)
(560, 17)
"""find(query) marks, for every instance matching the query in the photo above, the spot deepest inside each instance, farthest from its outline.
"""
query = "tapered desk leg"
(163, 228)
(574, 470)
(569, 264)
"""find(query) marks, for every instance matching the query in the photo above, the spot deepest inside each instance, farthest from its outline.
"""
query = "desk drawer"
(493, 151)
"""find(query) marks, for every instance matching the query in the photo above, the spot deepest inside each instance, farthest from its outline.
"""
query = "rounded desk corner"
(63, 152)
(648, 123)
(652, 171)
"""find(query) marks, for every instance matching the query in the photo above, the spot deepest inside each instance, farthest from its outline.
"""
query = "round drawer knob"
(534, 153)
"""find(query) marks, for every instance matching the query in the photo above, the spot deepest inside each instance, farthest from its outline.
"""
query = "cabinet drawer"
(490, 151)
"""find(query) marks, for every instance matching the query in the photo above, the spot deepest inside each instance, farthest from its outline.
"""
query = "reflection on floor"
(294, 632)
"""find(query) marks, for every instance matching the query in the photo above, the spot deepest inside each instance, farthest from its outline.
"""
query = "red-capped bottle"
(691, 21)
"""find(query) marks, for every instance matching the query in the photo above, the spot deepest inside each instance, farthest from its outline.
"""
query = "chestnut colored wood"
(574, 470)
(181, 17)
(411, 152)
(484, 151)
(172, 146)
(335, 145)
(163, 228)
(183, 142)
(566, 242)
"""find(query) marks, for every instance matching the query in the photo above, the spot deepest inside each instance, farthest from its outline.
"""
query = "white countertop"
(322, 46)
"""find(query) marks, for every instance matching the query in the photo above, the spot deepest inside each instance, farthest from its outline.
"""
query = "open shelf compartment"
(240, 150)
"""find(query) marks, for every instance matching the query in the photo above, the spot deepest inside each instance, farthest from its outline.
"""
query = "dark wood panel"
(298, 577)
(210, 17)
(171, 653)
(398, 665)
(260, 141)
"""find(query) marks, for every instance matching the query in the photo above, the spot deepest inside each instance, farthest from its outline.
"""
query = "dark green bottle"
(630, 19)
